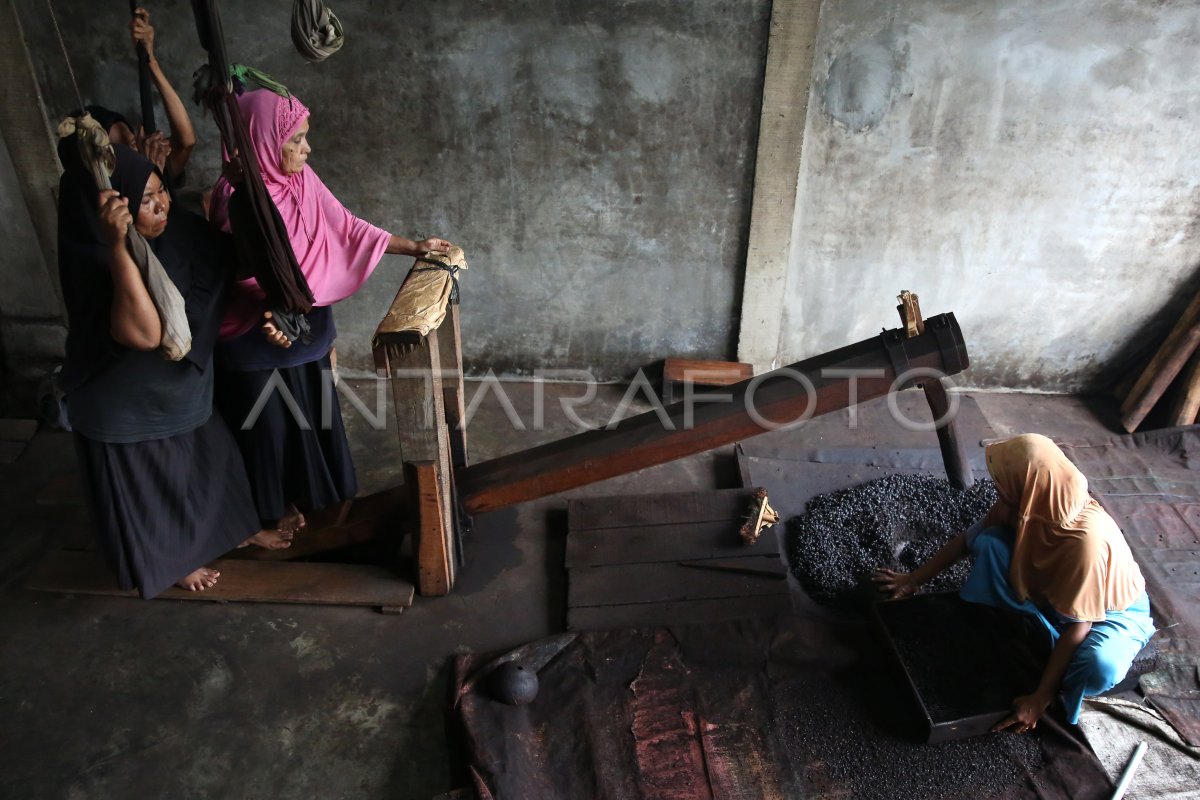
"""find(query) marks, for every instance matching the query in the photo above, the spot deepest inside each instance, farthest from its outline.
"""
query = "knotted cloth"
(426, 294)
(316, 32)
(97, 154)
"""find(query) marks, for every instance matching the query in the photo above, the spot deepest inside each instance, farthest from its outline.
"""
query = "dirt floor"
(111, 697)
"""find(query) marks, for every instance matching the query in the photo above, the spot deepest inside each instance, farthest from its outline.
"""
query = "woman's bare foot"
(292, 520)
(270, 539)
(198, 581)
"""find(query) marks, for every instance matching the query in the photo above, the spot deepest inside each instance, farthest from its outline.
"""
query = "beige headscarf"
(1068, 551)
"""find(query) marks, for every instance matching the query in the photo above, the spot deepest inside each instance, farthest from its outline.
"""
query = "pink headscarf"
(336, 250)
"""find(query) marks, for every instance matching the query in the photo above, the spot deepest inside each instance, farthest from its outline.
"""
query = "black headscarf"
(198, 259)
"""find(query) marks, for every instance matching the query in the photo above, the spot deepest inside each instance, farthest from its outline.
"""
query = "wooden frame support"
(422, 358)
(775, 399)
(449, 335)
(435, 556)
(954, 452)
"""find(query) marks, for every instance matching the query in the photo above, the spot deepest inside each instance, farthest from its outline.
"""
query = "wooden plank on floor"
(671, 613)
(625, 511)
(387, 503)
(310, 542)
(657, 543)
(17, 430)
(11, 451)
(241, 581)
(660, 583)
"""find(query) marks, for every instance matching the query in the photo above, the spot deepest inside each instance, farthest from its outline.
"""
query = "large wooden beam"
(417, 346)
(835, 380)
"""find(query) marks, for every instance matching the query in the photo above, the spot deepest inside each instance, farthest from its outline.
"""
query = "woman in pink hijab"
(280, 401)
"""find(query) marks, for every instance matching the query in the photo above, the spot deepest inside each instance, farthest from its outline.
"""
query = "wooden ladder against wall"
(423, 361)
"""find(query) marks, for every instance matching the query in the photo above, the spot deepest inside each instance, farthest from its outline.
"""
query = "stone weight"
(513, 684)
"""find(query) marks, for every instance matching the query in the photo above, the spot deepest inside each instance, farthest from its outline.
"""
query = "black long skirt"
(166, 507)
(291, 435)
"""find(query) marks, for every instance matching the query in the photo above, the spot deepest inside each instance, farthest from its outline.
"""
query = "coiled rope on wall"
(316, 31)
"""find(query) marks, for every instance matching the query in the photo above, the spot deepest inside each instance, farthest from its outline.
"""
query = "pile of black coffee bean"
(841, 750)
(898, 521)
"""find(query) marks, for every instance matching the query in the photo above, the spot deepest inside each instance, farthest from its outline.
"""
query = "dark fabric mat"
(729, 710)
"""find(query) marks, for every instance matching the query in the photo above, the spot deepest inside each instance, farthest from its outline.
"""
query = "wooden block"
(241, 581)
(627, 511)
(433, 544)
(660, 583)
(17, 430)
(664, 543)
(676, 613)
(706, 373)
(677, 371)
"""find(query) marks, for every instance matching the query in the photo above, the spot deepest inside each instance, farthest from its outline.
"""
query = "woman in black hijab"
(165, 481)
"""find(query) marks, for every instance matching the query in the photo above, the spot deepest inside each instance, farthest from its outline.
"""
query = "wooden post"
(954, 454)
(435, 560)
(419, 400)
(449, 335)
(1171, 357)
(1187, 402)
(417, 348)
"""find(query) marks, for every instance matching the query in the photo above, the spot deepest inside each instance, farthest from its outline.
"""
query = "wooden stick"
(1174, 352)
(1187, 399)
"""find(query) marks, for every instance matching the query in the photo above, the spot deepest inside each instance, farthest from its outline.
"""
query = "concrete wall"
(595, 158)
(1032, 165)
(32, 334)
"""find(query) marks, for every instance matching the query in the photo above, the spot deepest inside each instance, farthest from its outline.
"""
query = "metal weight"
(513, 684)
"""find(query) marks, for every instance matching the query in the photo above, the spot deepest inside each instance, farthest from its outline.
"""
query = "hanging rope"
(259, 233)
(63, 46)
(97, 155)
(316, 32)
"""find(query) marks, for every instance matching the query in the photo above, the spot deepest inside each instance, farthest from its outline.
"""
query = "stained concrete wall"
(594, 158)
(1032, 165)
(32, 333)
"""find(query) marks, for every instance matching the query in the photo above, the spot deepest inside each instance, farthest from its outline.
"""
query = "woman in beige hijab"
(1047, 549)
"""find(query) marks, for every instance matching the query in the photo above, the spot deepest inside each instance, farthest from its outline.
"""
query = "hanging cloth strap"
(97, 154)
(316, 32)
(278, 273)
